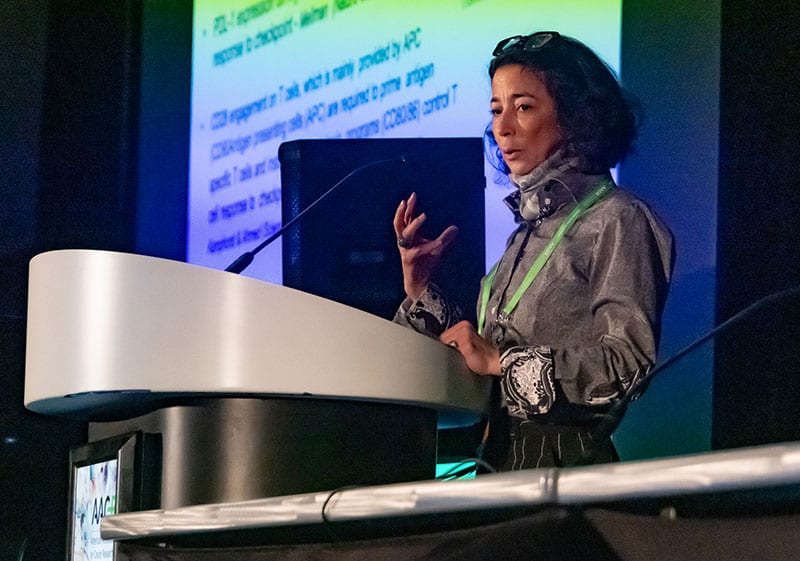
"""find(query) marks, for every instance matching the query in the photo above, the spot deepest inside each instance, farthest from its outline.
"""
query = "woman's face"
(524, 120)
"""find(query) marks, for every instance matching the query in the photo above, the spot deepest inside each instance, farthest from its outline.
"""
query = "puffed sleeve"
(628, 277)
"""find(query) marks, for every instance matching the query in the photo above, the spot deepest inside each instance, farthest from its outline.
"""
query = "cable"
(789, 292)
(244, 260)
(611, 420)
(464, 467)
(447, 476)
(327, 522)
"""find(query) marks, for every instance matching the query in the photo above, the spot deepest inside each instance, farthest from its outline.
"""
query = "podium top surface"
(107, 329)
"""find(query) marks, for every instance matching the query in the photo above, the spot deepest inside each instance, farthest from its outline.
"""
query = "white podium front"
(238, 375)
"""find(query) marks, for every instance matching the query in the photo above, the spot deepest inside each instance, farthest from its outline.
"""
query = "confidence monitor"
(107, 477)
(345, 249)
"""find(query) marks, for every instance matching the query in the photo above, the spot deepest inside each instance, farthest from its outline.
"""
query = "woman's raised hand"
(419, 256)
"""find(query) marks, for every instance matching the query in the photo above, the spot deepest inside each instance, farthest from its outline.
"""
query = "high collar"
(557, 181)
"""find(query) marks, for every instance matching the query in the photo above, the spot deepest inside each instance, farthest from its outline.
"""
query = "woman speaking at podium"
(569, 317)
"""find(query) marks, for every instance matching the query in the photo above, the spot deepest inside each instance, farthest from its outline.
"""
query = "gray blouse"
(590, 321)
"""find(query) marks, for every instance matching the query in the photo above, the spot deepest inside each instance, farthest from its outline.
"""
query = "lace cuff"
(528, 380)
(431, 314)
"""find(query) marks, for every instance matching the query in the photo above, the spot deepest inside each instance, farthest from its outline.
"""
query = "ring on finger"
(403, 242)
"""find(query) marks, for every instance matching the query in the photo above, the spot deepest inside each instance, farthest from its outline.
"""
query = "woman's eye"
(523, 107)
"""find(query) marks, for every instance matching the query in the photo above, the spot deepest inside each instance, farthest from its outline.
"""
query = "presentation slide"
(265, 72)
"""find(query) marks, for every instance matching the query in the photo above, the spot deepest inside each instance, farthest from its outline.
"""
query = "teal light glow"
(447, 470)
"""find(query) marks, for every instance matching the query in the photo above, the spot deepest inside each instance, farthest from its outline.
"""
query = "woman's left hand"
(482, 357)
(419, 256)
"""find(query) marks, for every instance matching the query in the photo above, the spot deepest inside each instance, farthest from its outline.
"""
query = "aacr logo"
(102, 507)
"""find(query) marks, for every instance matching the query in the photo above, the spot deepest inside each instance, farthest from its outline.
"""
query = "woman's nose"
(503, 125)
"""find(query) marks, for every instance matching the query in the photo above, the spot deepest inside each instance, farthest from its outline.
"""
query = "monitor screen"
(106, 477)
(95, 496)
(344, 249)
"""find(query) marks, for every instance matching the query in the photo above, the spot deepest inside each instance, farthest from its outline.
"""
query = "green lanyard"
(600, 192)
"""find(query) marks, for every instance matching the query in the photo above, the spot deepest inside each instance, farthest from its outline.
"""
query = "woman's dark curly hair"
(595, 117)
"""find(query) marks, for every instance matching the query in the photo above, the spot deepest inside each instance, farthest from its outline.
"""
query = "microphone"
(611, 420)
(244, 260)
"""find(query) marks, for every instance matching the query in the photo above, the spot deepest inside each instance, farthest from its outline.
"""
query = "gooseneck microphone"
(244, 260)
(611, 420)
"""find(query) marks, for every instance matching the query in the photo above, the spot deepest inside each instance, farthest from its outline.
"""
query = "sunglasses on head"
(526, 43)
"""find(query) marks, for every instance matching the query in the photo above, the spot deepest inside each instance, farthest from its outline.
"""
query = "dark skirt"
(515, 444)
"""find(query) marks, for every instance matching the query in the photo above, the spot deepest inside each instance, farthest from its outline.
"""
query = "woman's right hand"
(419, 256)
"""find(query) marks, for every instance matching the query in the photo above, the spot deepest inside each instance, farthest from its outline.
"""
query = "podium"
(256, 390)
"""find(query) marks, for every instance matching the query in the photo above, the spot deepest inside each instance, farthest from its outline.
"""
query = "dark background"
(718, 81)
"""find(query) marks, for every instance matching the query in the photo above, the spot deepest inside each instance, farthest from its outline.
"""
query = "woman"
(569, 316)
